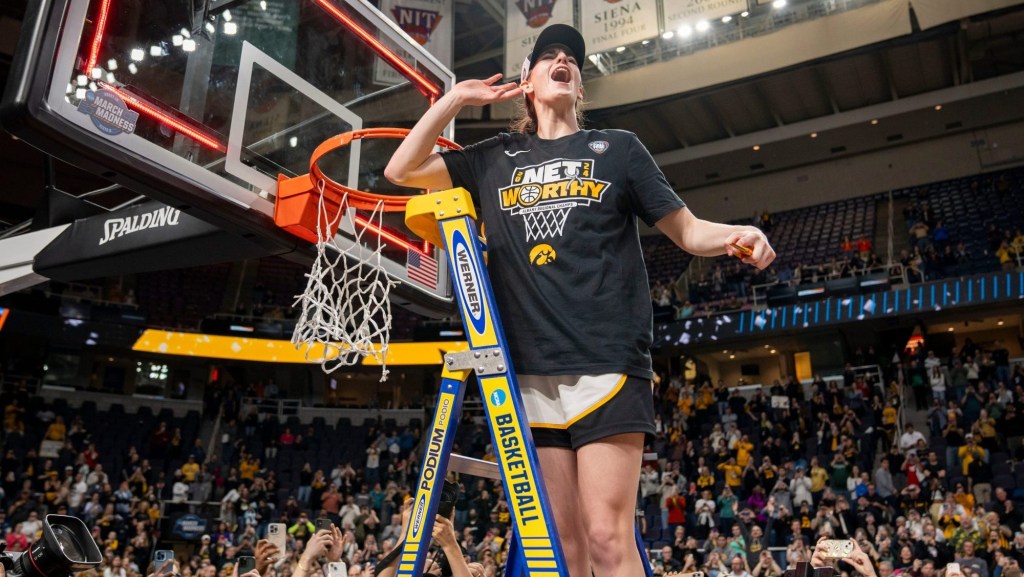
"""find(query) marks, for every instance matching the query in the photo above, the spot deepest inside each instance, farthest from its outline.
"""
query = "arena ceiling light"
(779, 4)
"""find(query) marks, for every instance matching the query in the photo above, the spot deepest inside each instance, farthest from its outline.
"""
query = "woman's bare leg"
(609, 475)
(558, 466)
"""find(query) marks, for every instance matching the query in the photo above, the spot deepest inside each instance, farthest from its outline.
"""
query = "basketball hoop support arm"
(447, 219)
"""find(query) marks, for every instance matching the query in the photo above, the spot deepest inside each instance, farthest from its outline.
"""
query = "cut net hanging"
(345, 311)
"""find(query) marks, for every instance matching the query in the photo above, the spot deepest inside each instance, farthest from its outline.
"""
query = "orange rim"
(362, 199)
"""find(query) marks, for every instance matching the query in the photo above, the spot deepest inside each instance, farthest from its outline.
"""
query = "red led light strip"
(167, 119)
(425, 86)
(97, 39)
(134, 102)
(385, 233)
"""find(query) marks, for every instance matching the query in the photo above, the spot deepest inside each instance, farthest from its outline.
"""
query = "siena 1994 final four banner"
(523, 22)
(429, 22)
(608, 24)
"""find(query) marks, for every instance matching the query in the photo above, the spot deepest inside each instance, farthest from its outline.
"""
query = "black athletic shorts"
(572, 410)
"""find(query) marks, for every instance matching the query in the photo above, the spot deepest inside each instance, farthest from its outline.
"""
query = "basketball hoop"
(298, 197)
(345, 310)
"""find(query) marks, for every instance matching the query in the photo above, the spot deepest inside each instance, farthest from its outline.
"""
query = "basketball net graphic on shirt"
(544, 194)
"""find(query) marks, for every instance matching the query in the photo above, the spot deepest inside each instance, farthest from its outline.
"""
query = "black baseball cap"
(555, 34)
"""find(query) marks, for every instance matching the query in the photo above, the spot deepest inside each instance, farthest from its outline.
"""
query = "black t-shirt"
(563, 245)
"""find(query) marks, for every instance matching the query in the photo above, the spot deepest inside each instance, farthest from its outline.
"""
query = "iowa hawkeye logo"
(545, 194)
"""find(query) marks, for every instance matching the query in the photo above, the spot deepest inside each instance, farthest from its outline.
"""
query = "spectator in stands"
(302, 528)
(1007, 255)
(57, 430)
(864, 248)
(970, 562)
(737, 568)
(666, 561)
(189, 470)
(846, 247)
(115, 569)
(160, 441)
(910, 438)
(940, 236)
(180, 490)
(14, 415)
(937, 379)
(766, 566)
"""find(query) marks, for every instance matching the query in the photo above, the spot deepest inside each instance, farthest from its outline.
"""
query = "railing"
(897, 276)
(8, 381)
(761, 21)
(88, 293)
(281, 408)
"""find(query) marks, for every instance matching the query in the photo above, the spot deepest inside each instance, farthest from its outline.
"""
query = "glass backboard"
(202, 104)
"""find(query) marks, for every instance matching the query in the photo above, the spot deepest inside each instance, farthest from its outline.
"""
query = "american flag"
(421, 268)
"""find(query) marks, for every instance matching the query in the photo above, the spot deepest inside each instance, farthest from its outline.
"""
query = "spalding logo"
(468, 282)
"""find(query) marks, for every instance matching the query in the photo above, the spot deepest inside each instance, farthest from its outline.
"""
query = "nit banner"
(429, 22)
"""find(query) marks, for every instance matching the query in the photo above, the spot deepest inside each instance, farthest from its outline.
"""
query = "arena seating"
(814, 235)
(181, 298)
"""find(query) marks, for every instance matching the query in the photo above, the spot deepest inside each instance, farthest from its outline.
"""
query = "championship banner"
(523, 22)
(608, 24)
(692, 11)
(428, 22)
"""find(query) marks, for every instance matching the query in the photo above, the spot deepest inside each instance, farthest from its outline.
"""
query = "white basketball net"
(346, 313)
(542, 224)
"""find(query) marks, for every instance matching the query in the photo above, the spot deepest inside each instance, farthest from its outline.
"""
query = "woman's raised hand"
(476, 92)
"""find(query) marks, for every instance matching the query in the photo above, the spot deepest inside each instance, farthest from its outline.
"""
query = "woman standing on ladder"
(570, 281)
